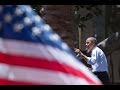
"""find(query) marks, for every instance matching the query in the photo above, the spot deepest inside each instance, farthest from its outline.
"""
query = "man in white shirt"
(97, 60)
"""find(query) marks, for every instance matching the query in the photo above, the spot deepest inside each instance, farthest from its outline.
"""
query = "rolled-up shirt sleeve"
(92, 59)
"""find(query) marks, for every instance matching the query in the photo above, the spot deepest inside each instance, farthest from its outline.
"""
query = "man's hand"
(76, 50)
(81, 54)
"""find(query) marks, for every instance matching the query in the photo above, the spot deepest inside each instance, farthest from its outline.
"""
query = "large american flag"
(31, 53)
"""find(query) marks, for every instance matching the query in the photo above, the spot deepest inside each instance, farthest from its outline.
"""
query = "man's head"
(90, 43)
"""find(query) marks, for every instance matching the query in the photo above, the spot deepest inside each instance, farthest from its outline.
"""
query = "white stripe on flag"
(22, 48)
(34, 75)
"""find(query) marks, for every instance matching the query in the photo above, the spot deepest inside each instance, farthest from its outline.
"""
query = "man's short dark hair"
(93, 39)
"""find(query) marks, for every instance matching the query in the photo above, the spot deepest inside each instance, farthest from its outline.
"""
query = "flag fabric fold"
(31, 53)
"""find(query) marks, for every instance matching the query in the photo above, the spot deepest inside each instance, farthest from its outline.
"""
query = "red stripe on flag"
(10, 82)
(43, 63)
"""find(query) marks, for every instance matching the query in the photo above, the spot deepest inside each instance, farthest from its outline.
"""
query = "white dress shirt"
(98, 60)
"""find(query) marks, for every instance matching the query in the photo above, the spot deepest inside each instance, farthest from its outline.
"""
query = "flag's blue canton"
(22, 23)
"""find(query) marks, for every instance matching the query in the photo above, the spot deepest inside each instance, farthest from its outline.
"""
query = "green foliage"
(91, 10)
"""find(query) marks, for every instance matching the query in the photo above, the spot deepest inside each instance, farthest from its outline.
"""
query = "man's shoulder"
(97, 49)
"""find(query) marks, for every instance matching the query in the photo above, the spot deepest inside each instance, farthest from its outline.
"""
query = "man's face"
(89, 44)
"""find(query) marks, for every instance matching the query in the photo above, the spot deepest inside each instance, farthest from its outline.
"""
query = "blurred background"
(74, 23)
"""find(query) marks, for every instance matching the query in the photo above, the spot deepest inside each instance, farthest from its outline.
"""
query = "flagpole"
(79, 30)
